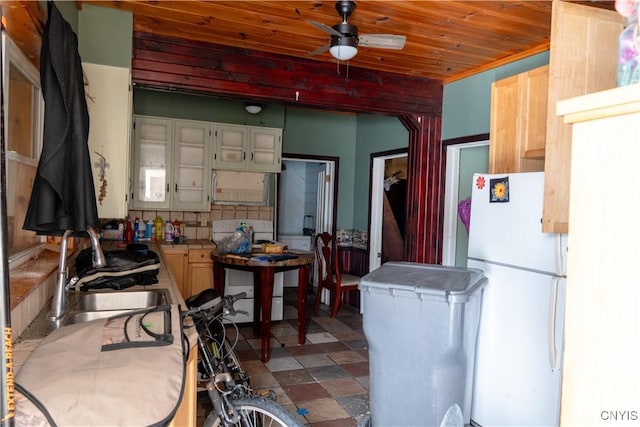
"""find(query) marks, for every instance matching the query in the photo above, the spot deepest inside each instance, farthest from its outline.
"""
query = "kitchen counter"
(25, 344)
(28, 340)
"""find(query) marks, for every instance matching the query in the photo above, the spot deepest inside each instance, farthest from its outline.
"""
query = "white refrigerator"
(517, 378)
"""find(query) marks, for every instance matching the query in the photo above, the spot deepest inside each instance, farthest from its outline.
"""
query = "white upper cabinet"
(171, 164)
(231, 142)
(265, 146)
(247, 148)
(192, 173)
(152, 163)
(109, 104)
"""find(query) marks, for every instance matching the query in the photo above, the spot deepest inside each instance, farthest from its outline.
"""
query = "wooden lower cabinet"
(177, 261)
(187, 411)
(200, 271)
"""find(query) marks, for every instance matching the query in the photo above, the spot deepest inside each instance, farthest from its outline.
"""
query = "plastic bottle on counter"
(128, 232)
(159, 224)
(168, 232)
(136, 228)
(177, 232)
(148, 230)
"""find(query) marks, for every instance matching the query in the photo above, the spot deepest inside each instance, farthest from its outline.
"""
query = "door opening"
(388, 207)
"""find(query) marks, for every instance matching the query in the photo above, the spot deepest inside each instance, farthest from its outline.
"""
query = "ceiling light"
(343, 48)
(253, 108)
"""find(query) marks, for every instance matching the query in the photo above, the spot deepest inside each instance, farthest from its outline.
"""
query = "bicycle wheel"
(257, 411)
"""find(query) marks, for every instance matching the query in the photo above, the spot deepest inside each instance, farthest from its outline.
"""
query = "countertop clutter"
(74, 350)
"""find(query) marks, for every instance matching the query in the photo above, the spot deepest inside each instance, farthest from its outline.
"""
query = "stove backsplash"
(197, 225)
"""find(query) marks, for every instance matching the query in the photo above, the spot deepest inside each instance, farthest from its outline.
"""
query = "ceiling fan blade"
(319, 50)
(384, 41)
(322, 27)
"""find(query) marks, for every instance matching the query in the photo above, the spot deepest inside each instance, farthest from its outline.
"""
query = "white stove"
(242, 281)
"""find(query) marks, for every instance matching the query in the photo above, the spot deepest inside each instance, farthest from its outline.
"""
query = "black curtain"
(63, 196)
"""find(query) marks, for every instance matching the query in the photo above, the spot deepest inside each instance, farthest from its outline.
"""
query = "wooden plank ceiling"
(446, 40)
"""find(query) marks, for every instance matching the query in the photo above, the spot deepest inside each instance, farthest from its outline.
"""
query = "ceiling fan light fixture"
(344, 52)
(252, 108)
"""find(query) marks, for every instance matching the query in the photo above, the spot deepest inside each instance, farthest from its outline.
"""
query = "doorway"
(463, 160)
(306, 202)
(388, 207)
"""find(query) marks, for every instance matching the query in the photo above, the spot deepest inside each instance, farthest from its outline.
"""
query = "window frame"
(13, 56)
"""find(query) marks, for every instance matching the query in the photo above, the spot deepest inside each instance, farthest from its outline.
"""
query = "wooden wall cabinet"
(200, 272)
(583, 59)
(518, 122)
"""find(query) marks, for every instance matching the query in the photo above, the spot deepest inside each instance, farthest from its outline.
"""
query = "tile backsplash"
(197, 225)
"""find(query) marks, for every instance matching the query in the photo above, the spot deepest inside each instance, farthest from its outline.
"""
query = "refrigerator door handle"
(553, 351)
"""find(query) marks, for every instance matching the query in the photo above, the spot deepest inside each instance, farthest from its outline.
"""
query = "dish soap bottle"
(159, 224)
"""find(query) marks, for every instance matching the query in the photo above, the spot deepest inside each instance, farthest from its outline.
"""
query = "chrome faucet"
(59, 303)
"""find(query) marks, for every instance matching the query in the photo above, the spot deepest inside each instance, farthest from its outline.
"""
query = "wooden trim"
(466, 139)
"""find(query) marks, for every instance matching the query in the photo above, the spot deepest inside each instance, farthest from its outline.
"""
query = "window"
(24, 108)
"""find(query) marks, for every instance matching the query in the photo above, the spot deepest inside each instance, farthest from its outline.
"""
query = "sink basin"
(86, 316)
(119, 300)
(86, 306)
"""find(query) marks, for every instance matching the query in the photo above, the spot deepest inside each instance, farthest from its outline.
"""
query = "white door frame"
(451, 200)
(377, 194)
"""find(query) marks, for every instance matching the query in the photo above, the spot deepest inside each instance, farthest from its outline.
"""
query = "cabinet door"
(583, 59)
(200, 277)
(265, 146)
(152, 163)
(518, 122)
(534, 86)
(504, 125)
(110, 136)
(231, 143)
(177, 262)
(192, 174)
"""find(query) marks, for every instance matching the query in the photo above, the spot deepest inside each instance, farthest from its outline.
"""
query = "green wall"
(374, 134)
(205, 108)
(467, 103)
(326, 134)
(105, 36)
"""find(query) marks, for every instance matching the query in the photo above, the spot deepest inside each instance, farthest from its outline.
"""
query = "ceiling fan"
(345, 39)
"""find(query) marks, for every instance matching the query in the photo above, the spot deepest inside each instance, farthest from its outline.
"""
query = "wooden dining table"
(264, 267)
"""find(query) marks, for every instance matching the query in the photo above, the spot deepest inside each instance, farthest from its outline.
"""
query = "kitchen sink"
(86, 306)
(119, 300)
(91, 305)
(85, 316)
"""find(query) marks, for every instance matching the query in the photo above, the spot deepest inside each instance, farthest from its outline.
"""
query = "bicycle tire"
(257, 411)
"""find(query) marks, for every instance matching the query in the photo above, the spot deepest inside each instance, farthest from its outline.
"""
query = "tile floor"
(324, 382)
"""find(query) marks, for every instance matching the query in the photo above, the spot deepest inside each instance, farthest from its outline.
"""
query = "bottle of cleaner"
(168, 232)
(148, 228)
(159, 223)
(136, 227)
(128, 232)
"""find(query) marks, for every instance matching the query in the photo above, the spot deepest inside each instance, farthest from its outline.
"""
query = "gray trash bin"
(421, 323)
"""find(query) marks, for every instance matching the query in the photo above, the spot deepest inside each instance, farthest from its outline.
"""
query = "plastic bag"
(464, 211)
(238, 243)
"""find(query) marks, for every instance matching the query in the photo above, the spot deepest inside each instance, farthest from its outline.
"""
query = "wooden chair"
(329, 275)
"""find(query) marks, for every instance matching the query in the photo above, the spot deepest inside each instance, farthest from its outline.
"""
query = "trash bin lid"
(433, 281)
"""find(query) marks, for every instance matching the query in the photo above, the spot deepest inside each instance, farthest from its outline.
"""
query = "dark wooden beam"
(425, 190)
(199, 67)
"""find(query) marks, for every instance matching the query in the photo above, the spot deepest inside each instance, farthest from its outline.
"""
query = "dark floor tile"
(343, 422)
(296, 376)
(359, 344)
(358, 369)
(332, 347)
(304, 350)
(304, 392)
